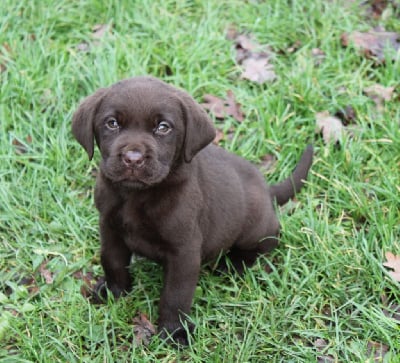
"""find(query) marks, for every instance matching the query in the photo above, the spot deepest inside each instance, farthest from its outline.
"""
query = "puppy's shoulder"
(105, 197)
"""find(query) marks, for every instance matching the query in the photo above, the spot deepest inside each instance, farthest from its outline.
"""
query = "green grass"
(326, 279)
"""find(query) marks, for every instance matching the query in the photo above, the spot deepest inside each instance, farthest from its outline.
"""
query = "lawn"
(323, 295)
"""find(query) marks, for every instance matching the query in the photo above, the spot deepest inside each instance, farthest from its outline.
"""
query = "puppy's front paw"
(102, 289)
(99, 292)
(176, 332)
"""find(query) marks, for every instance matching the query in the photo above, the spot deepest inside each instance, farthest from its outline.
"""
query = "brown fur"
(166, 193)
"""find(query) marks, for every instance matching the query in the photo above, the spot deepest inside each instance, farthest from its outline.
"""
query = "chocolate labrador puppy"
(164, 191)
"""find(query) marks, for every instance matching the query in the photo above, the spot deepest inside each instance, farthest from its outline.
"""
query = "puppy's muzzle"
(133, 159)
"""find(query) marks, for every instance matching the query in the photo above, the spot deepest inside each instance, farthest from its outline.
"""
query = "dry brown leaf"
(254, 58)
(379, 91)
(318, 56)
(347, 115)
(379, 94)
(99, 30)
(215, 105)
(221, 108)
(393, 262)
(218, 136)
(376, 7)
(143, 329)
(258, 70)
(321, 345)
(86, 278)
(45, 273)
(294, 47)
(5, 53)
(29, 282)
(245, 47)
(231, 32)
(22, 147)
(266, 163)
(88, 283)
(83, 47)
(330, 126)
(246, 42)
(377, 350)
(373, 43)
(391, 310)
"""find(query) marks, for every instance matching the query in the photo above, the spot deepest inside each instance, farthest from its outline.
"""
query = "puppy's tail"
(287, 189)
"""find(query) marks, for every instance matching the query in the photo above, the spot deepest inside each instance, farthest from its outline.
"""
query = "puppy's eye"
(163, 128)
(112, 124)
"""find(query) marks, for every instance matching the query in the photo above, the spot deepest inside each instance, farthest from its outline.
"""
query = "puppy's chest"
(141, 232)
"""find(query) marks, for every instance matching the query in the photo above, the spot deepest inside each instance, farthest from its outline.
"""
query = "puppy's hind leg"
(261, 241)
(241, 257)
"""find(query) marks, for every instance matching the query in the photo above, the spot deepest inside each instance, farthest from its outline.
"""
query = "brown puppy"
(166, 193)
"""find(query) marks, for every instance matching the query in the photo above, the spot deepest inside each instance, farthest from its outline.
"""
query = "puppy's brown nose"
(133, 158)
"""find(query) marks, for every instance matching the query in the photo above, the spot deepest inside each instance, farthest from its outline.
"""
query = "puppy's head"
(143, 128)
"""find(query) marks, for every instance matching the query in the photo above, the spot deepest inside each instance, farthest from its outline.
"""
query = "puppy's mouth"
(143, 176)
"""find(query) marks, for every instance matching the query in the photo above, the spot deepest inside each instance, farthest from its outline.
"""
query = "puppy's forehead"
(142, 97)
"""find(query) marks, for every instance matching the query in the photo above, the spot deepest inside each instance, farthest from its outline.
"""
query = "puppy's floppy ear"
(199, 130)
(83, 121)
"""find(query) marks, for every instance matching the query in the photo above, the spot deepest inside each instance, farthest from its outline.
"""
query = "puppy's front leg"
(115, 259)
(181, 273)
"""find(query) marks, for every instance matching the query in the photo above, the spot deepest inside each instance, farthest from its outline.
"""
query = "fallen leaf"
(393, 262)
(83, 47)
(379, 94)
(253, 57)
(245, 42)
(347, 115)
(318, 56)
(266, 163)
(268, 269)
(231, 33)
(143, 329)
(330, 126)
(31, 285)
(326, 359)
(221, 135)
(45, 273)
(294, 47)
(258, 70)
(221, 108)
(6, 49)
(373, 44)
(321, 345)
(88, 282)
(22, 147)
(99, 30)
(87, 278)
(5, 54)
(377, 350)
(218, 137)
(217, 106)
(391, 310)
(377, 7)
(28, 281)
(244, 45)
